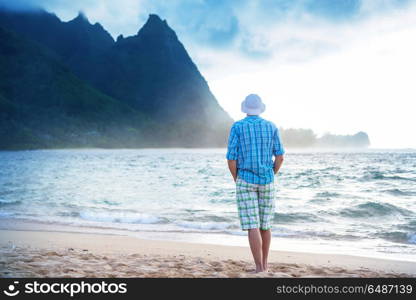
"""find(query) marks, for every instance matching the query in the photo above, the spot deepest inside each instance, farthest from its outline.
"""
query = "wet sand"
(64, 254)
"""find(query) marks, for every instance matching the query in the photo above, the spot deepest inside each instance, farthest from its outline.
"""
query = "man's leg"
(255, 241)
(266, 208)
(248, 210)
(266, 237)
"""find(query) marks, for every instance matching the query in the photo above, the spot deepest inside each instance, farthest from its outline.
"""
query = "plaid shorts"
(255, 204)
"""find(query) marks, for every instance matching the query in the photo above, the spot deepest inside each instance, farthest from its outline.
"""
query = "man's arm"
(232, 165)
(278, 161)
(278, 152)
(232, 151)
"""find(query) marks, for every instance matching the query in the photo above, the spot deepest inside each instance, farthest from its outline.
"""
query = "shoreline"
(74, 254)
(282, 244)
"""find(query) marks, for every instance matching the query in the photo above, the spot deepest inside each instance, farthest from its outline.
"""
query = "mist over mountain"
(149, 75)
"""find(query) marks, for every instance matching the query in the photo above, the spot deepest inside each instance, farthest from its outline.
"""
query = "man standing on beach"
(252, 144)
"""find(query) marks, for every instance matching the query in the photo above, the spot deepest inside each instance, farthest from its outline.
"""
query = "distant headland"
(306, 138)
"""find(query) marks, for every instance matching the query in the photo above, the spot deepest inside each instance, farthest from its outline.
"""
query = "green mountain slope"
(43, 104)
(150, 72)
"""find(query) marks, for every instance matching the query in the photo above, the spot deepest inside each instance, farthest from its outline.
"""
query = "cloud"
(368, 7)
(210, 22)
(364, 82)
(293, 32)
(117, 17)
(21, 5)
(254, 27)
(335, 10)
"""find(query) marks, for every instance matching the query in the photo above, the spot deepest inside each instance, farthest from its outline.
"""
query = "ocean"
(356, 203)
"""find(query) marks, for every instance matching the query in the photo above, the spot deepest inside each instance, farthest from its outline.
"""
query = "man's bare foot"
(266, 269)
(255, 271)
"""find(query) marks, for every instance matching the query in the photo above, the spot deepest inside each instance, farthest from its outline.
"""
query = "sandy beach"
(64, 254)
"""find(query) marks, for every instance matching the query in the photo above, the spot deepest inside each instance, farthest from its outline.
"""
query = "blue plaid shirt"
(253, 141)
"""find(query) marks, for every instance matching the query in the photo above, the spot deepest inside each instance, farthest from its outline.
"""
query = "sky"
(338, 66)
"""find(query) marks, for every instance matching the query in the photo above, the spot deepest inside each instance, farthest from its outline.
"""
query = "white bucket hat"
(253, 105)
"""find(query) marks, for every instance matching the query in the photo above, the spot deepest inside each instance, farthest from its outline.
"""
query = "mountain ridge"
(150, 72)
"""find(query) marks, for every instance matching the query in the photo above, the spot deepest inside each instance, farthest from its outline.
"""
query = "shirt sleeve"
(233, 143)
(278, 148)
